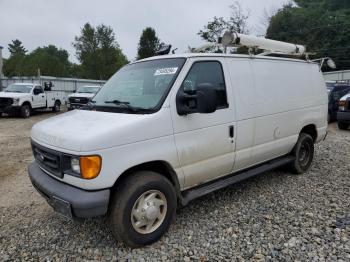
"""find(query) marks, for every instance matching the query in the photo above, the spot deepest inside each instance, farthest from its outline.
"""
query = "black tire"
(304, 154)
(0, 114)
(25, 111)
(127, 195)
(343, 126)
(56, 107)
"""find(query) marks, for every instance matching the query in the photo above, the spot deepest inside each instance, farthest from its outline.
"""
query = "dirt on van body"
(275, 216)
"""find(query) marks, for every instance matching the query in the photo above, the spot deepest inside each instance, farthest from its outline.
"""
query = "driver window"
(207, 72)
(38, 90)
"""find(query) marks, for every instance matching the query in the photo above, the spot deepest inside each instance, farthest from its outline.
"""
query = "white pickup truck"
(81, 97)
(22, 98)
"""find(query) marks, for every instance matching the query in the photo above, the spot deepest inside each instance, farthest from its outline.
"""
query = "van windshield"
(139, 87)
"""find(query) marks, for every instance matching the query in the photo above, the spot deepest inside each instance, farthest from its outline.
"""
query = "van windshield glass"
(140, 86)
(15, 88)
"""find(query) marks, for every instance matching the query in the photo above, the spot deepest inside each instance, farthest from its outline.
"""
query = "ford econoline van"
(166, 130)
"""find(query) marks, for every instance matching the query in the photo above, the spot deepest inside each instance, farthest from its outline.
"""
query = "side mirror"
(36, 92)
(202, 100)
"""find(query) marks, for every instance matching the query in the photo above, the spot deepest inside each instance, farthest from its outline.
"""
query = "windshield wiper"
(126, 104)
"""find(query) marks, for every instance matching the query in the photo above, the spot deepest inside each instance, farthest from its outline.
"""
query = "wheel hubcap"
(149, 212)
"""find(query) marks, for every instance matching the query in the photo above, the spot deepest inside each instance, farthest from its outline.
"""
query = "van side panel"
(241, 75)
(289, 96)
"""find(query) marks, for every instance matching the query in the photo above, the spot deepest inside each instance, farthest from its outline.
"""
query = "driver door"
(39, 98)
(205, 142)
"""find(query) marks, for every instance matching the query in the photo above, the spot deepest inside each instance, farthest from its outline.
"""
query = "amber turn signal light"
(90, 166)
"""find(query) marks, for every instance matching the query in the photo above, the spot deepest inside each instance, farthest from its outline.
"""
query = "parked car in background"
(335, 92)
(344, 112)
(23, 98)
(81, 97)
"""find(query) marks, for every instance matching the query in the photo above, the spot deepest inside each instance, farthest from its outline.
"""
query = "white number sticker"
(166, 71)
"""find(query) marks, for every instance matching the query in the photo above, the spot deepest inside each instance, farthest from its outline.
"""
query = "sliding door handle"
(231, 131)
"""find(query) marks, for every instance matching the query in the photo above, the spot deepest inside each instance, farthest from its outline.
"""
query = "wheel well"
(311, 130)
(160, 167)
(27, 103)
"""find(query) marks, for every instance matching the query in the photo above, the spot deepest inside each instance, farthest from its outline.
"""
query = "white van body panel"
(270, 100)
(203, 144)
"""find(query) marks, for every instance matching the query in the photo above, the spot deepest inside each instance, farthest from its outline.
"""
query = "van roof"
(189, 55)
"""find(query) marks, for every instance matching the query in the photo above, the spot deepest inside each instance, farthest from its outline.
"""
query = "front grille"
(48, 159)
(4, 101)
(78, 100)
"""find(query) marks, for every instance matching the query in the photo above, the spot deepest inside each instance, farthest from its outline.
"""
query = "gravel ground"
(276, 216)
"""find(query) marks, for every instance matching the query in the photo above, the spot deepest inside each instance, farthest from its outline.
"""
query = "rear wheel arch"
(310, 130)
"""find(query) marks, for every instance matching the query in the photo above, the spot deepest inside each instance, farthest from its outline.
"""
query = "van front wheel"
(142, 208)
(304, 154)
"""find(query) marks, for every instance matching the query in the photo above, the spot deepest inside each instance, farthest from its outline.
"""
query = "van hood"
(13, 94)
(88, 95)
(83, 131)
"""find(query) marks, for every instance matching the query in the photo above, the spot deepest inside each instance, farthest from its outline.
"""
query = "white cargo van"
(165, 130)
(23, 98)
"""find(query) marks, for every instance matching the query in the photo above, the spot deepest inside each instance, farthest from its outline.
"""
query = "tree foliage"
(236, 22)
(149, 43)
(98, 52)
(49, 59)
(16, 48)
(323, 26)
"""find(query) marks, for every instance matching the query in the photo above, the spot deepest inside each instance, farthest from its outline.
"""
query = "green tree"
(49, 59)
(237, 22)
(13, 65)
(149, 43)
(98, 52)
(16, 48)
(323, 26)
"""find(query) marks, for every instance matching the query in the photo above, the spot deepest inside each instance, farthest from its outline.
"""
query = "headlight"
(88, 167)
(75, 164)
(15, 101)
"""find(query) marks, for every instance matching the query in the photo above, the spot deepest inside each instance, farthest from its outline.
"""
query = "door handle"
(231, 131)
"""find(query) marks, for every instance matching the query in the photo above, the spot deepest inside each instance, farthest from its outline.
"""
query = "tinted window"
(209, 72)
(38, 90)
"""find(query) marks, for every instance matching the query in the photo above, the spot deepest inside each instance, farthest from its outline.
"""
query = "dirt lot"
(276, 216)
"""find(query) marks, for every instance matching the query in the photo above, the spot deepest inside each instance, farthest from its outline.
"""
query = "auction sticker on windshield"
(166, 71)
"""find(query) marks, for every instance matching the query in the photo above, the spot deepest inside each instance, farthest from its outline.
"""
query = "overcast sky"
(41, 22)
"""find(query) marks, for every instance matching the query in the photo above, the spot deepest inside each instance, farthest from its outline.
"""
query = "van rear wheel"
(142, 208)
(304, 154)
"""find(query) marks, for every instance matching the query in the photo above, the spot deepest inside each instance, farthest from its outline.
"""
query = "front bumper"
(66, 199)
(343, 116)
(9, 109)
